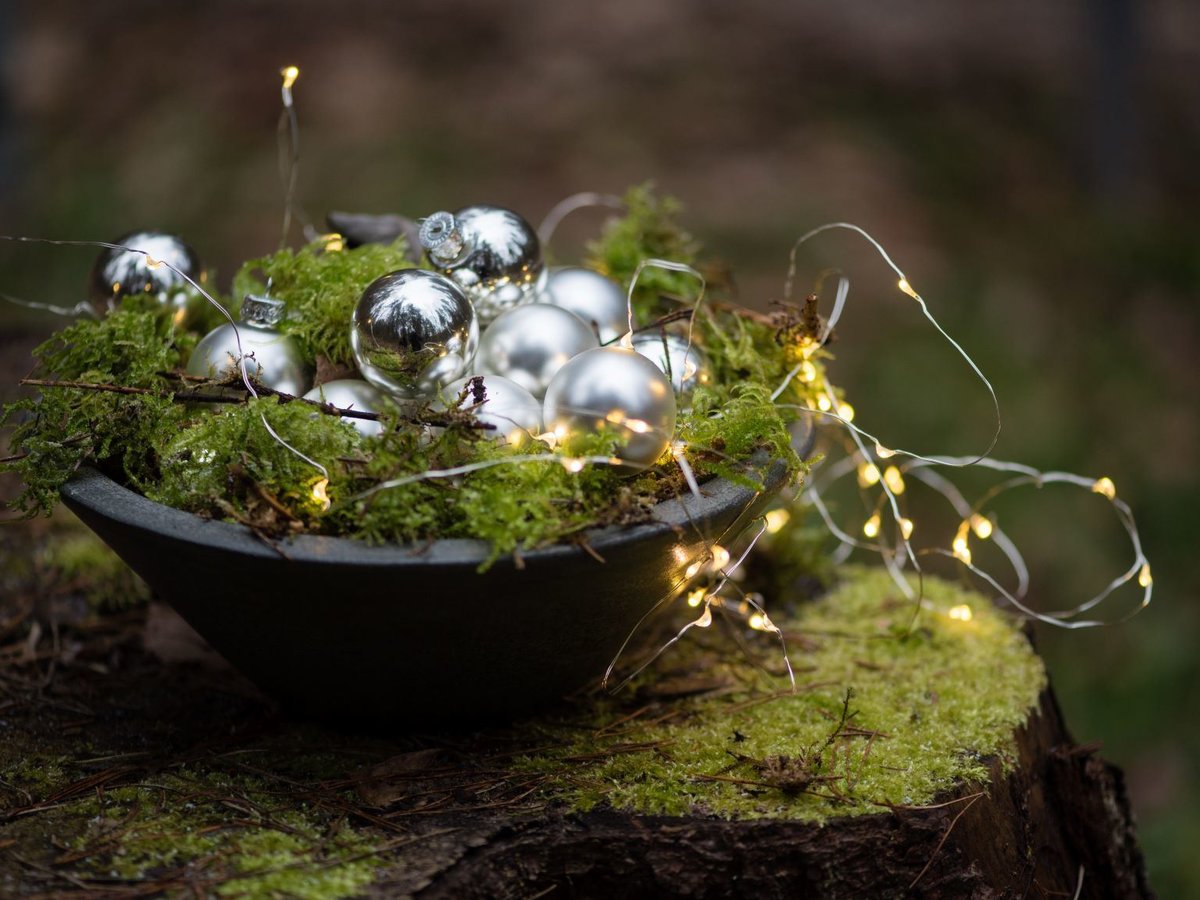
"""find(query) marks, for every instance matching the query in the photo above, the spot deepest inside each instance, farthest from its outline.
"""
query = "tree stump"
(934, 763)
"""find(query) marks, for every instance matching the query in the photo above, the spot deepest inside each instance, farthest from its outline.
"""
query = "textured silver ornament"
(272, 358)
(515, 413)
(531, 343)
(491, 253)
(599, 301)
(412, 332)
(352, 393)
(685, 366)
(122, 273)
(615, 389)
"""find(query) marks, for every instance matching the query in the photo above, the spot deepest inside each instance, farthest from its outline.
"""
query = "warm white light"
(894, 480)
(883, 452)
(846, 412)
(868, 474)
(906, 288)
(1144, 577)
(824, 404)
(720, 557)
(319, 494)
(960, 613)
(290, 74)
(1106, 487)
(871, 526)
(982, 526)
(573, 464)
(696, 597)
(906, 528)
(776, 519)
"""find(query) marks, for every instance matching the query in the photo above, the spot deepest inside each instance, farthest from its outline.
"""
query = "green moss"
(252, 846)
(75, 556)
(320, 289)
(221, 461)
(941, 700)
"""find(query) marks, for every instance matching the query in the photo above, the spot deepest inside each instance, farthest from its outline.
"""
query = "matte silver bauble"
(514, 412)
(599, 301)
(617, 390)
(491, 253)
(272, 358)
(685, 366)
(355, 394)
(531, 343)
(412, 332)
(123, 273)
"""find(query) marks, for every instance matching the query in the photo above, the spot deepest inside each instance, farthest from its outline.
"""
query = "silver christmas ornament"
(272, 358)
(599, 301)
(123, 273)
(618, 390)
(412, 332)
(529, 344)
(498, 401)
(685, 366)
(491, 253)
(352, 393)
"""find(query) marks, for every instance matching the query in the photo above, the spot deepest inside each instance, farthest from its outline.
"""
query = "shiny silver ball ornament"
(617, 390)
(599, 301)
(686, 366)
(514, 412)
(412, 332)
(529, 344)
(491, 253)
(352, 393)
(276, 361)
(124, 273)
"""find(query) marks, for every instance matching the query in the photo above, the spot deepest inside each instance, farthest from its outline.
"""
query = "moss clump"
(926, 708)
(221, 460)
(321, 289)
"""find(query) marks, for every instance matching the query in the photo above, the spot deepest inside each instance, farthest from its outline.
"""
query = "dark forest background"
(1032, 166)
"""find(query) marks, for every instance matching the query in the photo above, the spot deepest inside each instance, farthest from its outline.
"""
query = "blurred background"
(1031, 166)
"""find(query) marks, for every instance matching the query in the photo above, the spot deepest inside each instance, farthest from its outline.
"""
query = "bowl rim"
(97, 492)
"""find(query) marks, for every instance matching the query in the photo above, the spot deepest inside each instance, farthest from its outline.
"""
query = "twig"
(940, 843)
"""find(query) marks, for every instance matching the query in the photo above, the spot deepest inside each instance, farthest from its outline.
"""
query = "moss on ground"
(147, 777)
(926, 708)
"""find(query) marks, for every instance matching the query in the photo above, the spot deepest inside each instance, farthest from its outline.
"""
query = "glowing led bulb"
(705, 618)
(871, 526)
(1105, 486)
(960, 547)
(846, 412)
(696, 597)
(982, 526)
(1145, 579)
(883, 452)
(694, 569)
(808, 372)
(824, 404)
(906, 528)
(756, 622)
(720, 557)
(573, 464)
(906, 287)
(893, 479)
(960, 613)
(776, 519)
(333, 243)
(290, 74)
(868, 474)
(319, 494)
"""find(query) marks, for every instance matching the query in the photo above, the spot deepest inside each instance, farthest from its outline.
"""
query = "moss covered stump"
(930, 761)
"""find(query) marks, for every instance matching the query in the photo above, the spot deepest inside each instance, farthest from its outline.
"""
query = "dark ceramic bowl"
(395, 637)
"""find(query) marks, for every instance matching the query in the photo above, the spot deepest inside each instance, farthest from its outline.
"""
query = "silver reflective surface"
(121, 273)
(351, 393)
(514, 412)
(597, 300)
(491, 253)
(685, 366)
(276, 361)
(412, 332)
(529, 344)
(618, 390)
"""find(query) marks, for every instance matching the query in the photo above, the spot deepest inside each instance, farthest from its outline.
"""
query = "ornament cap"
(261, 311)
(442, 237)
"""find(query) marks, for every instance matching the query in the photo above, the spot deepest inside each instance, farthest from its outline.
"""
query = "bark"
(1060, 814)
